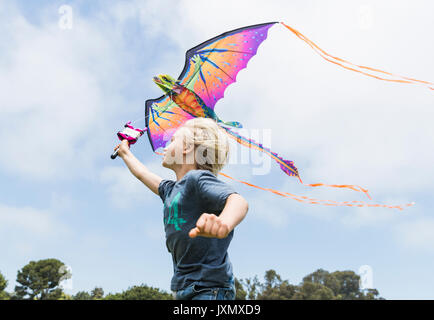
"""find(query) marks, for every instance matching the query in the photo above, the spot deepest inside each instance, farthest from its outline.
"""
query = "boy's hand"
(210, 226)
(123, 148)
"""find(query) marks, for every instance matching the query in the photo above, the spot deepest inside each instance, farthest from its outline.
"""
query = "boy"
(200, 211)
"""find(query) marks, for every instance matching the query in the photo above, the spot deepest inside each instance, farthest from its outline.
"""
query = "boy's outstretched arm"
(150, 179)
(212, 226)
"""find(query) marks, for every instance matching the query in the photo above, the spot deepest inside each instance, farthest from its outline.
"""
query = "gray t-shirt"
(202, 260)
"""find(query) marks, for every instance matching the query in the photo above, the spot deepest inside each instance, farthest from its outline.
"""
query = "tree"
(240, 293)
(371, 294)
(349, 285)
(253, 287)
(55, 294)
(314, 286)
(343, 285)
(82, 295)
(64, 296)
(40, 280)
(3, 284)
(319, 285)
(324, 278)
(276, 289)
(142, 292)
(97, 293)
(313, 291)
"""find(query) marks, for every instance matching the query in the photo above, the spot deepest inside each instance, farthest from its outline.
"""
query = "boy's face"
(175, 150)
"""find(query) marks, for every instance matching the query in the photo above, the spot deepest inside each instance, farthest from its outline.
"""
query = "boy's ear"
(188, 147)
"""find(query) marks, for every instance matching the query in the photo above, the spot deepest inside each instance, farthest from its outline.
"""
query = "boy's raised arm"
(138, 169)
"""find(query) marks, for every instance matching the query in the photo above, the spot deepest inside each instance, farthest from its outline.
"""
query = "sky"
(73, 72)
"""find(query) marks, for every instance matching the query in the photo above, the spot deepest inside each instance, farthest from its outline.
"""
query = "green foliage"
(82, 295)
(275, 289)
(142, 292)
(319, 285)
(97, 293)
(253, 287)
(65, 296)
(371, 294)
(39, 280)
(5, 296)
(240, 293)
(313, 291)
(3, 283)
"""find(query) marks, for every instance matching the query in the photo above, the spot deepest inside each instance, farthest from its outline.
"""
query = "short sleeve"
(164, 188)
(213, 191)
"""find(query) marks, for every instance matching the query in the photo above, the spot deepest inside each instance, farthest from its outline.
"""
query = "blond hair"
(211, 145)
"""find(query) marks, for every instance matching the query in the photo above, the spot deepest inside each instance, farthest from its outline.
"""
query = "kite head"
(166, 83)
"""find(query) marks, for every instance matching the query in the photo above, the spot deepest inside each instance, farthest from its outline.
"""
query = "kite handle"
(114, 154)
(130, 134)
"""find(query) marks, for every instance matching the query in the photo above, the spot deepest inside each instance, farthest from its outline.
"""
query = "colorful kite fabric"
(209, 69)
(222, 58)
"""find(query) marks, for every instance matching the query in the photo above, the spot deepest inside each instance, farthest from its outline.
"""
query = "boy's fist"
(210, 226)
(123, 148)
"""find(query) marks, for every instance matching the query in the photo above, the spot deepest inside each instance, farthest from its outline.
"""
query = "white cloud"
(263, 209)
(370, 217)
(125, 191)
(417, 234)
(154, 232)
(57, 92)
(38, 222)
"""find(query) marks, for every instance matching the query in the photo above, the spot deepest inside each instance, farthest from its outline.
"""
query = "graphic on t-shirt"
(174, 213)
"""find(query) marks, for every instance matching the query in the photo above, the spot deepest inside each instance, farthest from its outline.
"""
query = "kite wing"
(209, 68)
(213, 65)
(163, 118)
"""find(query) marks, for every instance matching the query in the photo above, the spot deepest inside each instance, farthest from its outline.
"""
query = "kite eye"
(165, 79)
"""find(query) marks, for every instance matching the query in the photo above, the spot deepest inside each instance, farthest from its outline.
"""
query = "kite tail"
(308, 200)
(367, 71)
(304, 199)
(288, 166)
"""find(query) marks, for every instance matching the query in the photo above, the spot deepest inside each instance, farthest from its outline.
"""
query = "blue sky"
(66, 92)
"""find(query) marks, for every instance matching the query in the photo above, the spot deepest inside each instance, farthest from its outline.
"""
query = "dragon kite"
(209, 69)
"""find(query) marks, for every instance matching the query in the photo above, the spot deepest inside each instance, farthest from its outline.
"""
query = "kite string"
(141, 118)
(341, 62)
